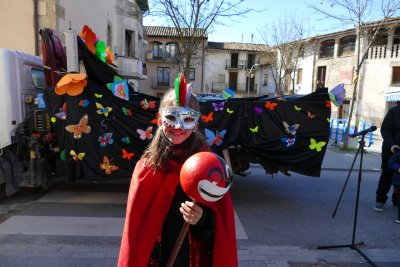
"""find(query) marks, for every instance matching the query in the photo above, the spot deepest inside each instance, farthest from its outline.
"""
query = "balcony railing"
(155, 84)
(218, 87)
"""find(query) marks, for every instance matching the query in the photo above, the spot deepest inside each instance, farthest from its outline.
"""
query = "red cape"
(150, 196)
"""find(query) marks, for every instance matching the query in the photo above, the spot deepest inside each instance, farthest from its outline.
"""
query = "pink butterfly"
(147, 134)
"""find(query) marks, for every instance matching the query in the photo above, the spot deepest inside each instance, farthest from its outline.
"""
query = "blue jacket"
(394, 165)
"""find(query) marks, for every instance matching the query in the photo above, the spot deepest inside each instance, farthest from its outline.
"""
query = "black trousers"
(385, 180)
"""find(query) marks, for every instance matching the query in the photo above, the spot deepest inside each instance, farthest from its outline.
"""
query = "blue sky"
(241, 30)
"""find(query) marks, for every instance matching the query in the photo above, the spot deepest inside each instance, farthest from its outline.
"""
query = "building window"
(192, 74)
(171, 50)
(129, 43)
(326, 49)
(157, 50)
(251, 60)
(396, 36)
(347, 45)
(321, 75)
(299, 76)
(396, 75)
(221, 78)
(381, 38)
(162, 76)
(265, 82)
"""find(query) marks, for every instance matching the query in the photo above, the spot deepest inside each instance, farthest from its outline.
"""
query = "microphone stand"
(353, 245)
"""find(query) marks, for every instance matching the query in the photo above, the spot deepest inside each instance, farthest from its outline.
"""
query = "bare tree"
(287, 37)
(192, 20)
(358, 14)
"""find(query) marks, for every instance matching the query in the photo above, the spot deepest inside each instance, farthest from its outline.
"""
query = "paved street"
(280, 221)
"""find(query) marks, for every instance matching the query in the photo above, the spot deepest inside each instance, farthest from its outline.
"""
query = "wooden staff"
(178, 244)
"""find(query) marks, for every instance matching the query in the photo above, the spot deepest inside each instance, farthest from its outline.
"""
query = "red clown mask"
(205, 177)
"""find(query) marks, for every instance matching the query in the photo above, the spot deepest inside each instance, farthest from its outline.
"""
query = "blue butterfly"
(214, 139)
(218, 106)
(126, 140)
(289, 141)
(106, 139)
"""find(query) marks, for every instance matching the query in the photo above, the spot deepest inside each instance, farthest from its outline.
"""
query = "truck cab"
(23, 119)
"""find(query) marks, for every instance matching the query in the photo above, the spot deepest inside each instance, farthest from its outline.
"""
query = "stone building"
(330, 59)
(119, 23)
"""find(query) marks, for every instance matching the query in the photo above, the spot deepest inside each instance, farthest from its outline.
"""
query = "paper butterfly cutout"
(297, 108)
(290, 129)
(310, 115)
(107, 166)
(270, 105)
(228, 93)
(80, 128)
(257, 110)
(254, 130)
(119, 88)
(328, 104)
(75, 156)
(127, 111)
(62, 115)
(103, 110)
(126, 140)
(289, 141)
(328, 120)
(207, 118)
(106, 139)
(83, 103)
(229, 110)
(147, 104)
(155, 120)
(71, 84)
(98, 95)
(126, 154)
(218, 106)
(214, 139)
(316, 145)
(145, 134)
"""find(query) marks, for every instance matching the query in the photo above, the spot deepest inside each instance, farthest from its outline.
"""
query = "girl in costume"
(157, 205)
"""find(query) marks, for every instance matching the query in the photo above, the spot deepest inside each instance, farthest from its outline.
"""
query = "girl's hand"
(191, 212)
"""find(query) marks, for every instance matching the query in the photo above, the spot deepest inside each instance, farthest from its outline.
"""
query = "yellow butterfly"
(98, 95)
(75, 156)
(297, 108)
(328, 119)
(254, 130)
(229, 110)
(317, 146)
(103, 110)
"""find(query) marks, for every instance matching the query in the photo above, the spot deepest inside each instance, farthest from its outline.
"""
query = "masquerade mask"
(186, 118)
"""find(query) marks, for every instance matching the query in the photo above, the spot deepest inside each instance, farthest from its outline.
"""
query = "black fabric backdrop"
(256, 124)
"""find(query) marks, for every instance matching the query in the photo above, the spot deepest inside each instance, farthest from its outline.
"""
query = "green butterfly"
(297, 108)
(254, 130)
(98, 95)
(317, 146)
(229, 110)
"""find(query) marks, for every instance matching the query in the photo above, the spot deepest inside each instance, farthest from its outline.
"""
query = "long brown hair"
(160, 151)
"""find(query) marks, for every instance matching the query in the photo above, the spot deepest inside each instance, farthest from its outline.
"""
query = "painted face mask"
(186, 118)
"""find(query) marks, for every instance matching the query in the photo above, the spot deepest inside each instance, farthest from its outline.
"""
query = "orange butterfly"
(310, 115)
(107, 166)
(270, 105)
(80, 128)
(207, 118)
(127, 155)
(155, 120)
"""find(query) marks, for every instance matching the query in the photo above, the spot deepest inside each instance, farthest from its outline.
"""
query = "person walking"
(390, 131)
(394, 166)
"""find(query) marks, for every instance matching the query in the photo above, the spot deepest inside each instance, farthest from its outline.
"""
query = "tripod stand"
(353, 245)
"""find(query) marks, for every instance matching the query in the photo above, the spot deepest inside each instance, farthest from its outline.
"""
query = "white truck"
(24, 123)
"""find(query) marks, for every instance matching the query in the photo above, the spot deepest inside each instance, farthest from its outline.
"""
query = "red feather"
(182, 91)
